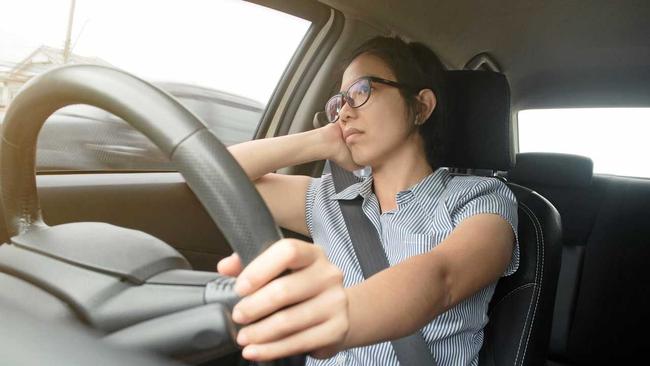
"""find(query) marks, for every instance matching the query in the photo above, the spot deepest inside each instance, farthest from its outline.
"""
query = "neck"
(404, 169)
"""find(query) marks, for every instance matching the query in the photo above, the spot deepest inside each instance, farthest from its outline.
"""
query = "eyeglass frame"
(371, 79)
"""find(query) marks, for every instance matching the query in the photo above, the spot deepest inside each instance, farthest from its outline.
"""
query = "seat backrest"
(522, 305)
(520, 311)
(602, 292)
(611, 312)
(566, 180)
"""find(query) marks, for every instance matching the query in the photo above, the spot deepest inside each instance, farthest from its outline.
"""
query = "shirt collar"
(362, 188)
(431, 186)
(421, 190)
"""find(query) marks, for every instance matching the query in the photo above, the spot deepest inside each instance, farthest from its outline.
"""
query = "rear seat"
(602, 297)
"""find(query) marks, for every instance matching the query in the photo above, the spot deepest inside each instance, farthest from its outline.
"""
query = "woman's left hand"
(304, 311)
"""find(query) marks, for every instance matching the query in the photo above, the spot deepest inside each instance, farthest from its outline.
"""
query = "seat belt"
(411, 350)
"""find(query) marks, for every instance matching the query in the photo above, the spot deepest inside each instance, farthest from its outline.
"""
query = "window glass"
(220, 58)
(616, 139)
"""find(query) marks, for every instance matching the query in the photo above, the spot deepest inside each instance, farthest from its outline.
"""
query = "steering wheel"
(97, 250)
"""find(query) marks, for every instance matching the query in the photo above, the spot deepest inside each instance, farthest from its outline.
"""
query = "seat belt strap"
(411, 350)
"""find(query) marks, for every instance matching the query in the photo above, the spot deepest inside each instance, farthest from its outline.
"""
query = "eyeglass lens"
(356, 95)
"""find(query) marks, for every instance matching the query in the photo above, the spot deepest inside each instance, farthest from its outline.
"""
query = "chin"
(361, 159)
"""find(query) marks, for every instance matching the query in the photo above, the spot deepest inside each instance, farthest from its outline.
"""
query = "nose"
(346, 113)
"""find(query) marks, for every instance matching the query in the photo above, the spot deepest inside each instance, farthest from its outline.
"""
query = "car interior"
(118, 266)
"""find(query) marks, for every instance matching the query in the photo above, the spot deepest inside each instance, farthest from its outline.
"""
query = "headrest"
(478, 121)
(552, 169)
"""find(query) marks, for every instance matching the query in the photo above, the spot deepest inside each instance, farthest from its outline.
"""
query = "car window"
(614, 138)
(220, 59)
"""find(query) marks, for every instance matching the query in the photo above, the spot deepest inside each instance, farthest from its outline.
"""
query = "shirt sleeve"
(490, 195)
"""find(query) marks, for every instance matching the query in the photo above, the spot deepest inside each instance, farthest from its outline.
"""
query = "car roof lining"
(554, 53)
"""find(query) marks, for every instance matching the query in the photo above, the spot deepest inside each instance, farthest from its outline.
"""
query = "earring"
(417, 121)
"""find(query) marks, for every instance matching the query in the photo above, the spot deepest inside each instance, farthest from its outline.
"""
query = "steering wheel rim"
(210, 171)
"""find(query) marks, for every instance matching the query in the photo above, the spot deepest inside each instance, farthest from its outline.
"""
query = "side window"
(221, 59)
(614, 138)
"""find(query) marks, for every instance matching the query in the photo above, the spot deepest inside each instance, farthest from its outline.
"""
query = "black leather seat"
(522, 307)
(566, 180)
(600, 296)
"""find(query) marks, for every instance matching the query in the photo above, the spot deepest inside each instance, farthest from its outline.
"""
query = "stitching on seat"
(538, 280)
(512, 292)
(528, 212)
(541, 279)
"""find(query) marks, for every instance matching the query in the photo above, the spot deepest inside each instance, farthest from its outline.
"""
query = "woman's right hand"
(339, 151)
(304, 311)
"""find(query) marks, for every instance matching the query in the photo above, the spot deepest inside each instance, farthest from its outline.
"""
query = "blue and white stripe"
(426, 214)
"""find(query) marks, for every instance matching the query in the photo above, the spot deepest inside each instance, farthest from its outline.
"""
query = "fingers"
(287, 290)
(304, 310)
(230, 266)
(313, 338)
(285, 254)
(294, 319)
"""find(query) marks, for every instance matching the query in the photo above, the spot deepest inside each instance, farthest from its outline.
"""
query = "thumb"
(230, 266)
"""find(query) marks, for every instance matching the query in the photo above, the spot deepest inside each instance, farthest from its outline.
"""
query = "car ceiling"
(555, 53)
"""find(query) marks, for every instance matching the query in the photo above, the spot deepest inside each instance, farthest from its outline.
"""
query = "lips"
(349, 132)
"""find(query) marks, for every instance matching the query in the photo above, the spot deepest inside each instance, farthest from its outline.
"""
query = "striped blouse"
(426, 214)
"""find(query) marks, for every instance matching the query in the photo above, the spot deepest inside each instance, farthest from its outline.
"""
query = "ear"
(427, 104)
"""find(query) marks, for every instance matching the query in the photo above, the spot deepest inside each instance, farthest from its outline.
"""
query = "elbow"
(261, 179)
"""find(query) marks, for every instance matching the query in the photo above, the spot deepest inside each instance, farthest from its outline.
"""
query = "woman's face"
(377, 129)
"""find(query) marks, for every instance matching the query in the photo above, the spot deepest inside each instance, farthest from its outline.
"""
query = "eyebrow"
(359, 78)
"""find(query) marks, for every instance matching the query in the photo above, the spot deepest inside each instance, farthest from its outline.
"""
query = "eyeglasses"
(357, 95)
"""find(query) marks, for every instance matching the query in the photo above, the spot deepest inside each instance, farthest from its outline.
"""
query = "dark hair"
(417, 65)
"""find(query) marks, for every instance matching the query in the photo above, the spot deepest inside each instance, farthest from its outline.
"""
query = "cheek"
(392, 123)
(387, 133)
(386, 128)
(390, 112)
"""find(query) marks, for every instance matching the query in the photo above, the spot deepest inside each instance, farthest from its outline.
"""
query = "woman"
(458, 233)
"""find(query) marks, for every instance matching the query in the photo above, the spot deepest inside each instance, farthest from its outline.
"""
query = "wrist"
(333, 140)
(328, 138)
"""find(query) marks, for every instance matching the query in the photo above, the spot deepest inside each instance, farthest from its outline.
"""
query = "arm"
(482, 243)
(259, 158)
(310, 311)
